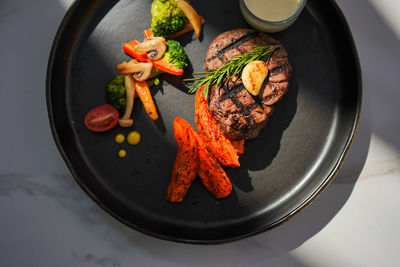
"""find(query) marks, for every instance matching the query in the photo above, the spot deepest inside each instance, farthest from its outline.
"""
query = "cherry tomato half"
(102, 118)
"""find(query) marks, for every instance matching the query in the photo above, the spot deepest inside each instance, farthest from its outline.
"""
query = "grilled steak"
(239, 114)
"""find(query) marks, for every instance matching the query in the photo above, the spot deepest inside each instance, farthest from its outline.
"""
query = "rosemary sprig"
(233, 66)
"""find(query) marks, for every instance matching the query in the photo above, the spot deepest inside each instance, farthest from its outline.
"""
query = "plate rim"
(325, 182)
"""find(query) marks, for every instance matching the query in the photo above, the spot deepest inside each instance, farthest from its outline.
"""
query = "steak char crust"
(239, 114)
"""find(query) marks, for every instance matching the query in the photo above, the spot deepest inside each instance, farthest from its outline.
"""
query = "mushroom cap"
(154, 47)
(141, 70)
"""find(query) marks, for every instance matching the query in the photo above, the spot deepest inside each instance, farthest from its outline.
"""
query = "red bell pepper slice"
(167, 67)
(129, 48)
(160, 64)
(148, 33)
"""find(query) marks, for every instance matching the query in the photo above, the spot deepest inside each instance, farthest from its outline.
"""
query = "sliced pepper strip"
(148, 33)
(129, 48)
(167, 67)
(160, 64)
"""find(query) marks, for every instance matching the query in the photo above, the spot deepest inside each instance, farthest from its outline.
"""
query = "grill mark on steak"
(278, 70)
(230, 93)
(235, 43)
(239, 114)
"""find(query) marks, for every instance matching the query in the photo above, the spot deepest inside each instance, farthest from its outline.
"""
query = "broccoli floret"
(167, 18)
(175, 54)
(155, 72)
(116, 92)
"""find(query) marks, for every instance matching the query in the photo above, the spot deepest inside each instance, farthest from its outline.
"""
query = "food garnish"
(238, 145)
(141, 70)
(126, 120)
(215, 141)
(133, 138)
(210, 172)
(153, 82)
(148, 33)
(145, 96)
(116, 92)
(173, 61)
(119, 138)
(233, 67)
(101, 118)
(129, 48)
(175, 54)
(188, 28)
(122, 153)
(153, 46)
(191, 15)
(173, 18)
(193, 158)
(167, 18)
(186, 163)
(253, 76)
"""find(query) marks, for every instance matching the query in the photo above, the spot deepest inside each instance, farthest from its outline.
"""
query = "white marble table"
(47, 220)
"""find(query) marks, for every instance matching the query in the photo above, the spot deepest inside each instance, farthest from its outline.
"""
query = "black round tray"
(295, 157)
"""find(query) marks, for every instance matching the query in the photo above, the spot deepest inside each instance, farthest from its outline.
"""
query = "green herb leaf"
(233, 66)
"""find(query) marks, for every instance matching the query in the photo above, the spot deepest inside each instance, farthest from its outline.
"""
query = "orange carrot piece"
(148, 33)
(144, 94)
(186, 164)
(210, 172)
(216, 142)
(238, 145)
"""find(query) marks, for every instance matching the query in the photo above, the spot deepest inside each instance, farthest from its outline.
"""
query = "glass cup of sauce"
(271, 15)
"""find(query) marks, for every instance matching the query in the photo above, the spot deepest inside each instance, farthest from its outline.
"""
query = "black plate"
(283, 170)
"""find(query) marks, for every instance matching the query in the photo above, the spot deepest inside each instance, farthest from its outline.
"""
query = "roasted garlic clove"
(253, 76)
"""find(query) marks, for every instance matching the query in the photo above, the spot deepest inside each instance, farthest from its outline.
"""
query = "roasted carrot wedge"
(216, 142)
(144, 94)
(238, 145)
(186, 163)
(210, 172)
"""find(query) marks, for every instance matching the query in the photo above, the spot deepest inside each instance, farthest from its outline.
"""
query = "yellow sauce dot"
(119, 138)
(133, 138)
(122, 153)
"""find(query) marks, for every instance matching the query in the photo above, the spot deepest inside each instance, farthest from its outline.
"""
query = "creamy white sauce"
(273, 10)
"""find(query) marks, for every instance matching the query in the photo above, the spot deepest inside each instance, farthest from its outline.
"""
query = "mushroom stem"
(141, 70)
(126, 121)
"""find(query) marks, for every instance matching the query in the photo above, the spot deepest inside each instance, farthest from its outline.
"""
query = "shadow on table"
(302, 227)
(264, 247)
(379, 51)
